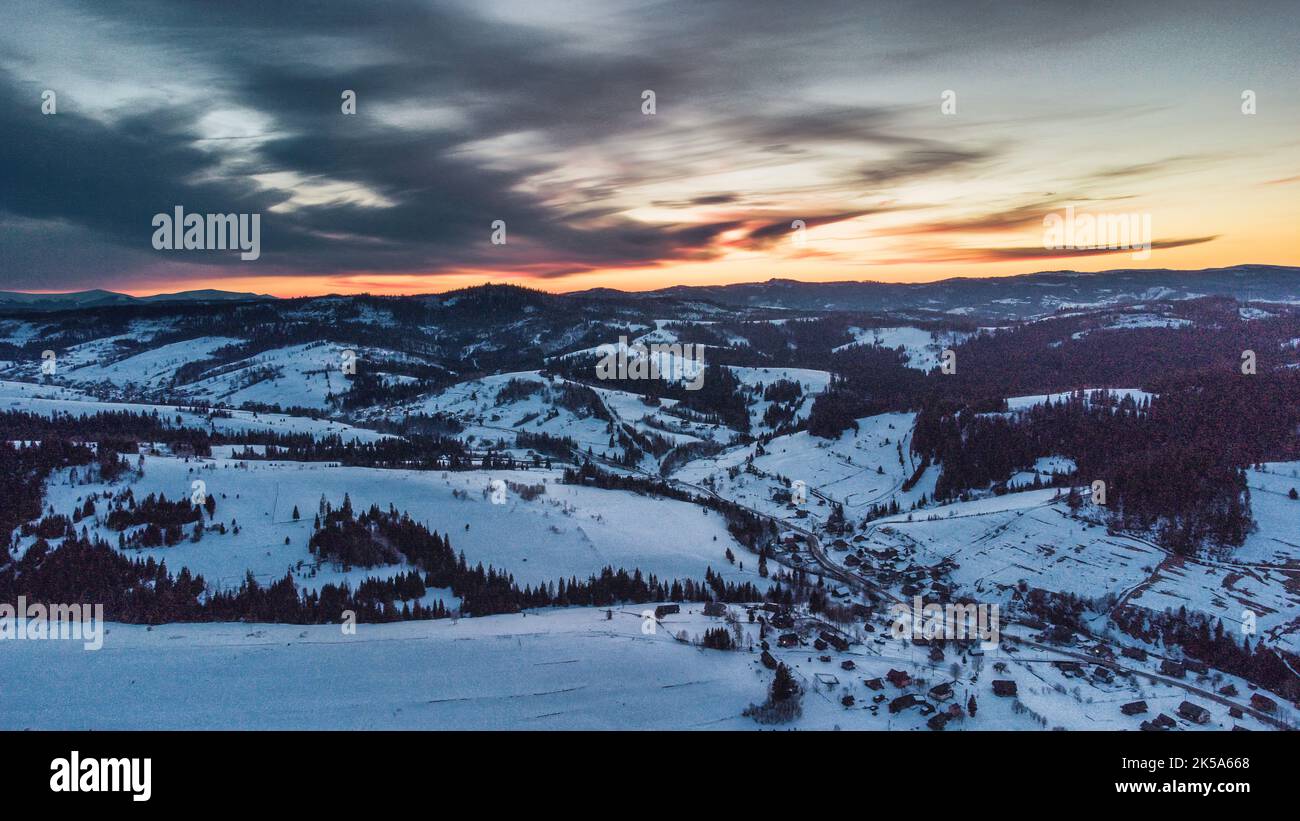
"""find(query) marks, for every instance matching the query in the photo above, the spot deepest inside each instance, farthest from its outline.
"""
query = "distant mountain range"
(16, 300)
(1011, 297)
(1023, 296)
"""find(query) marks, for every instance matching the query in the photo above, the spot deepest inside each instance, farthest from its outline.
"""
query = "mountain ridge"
(1015, 295)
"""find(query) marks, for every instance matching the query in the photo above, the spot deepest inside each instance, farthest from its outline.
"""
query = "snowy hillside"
(820, 471)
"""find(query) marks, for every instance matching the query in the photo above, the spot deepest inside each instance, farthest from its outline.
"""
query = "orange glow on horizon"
(719, 272)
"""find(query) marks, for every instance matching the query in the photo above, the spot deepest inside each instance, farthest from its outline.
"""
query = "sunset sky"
(530, 111)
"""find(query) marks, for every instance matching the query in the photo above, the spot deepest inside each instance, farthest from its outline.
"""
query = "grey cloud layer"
(513, 108)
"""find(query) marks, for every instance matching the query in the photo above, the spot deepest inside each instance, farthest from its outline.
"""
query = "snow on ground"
(488, 416)
(1277, 538)
(309, 375)
(569, 531)
(1029, 537)
(923, 347)
(17, 332)
(495, 408)
(1138, 320)
(858, 469)
(305, 376)
(1016, 403)
(561, 669)
(150, 369)
(675, 362)
(645, 419)
(811, 381)
(1043, 469)
(52, 399)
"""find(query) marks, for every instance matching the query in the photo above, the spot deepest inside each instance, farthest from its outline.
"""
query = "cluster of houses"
(886, 564)
(939, 693)
(1187, 710)
(1192, 712)
(1195, 712)
(1099, 674)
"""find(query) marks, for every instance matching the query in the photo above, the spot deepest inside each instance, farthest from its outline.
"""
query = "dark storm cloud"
(111, 177)
(500, 108)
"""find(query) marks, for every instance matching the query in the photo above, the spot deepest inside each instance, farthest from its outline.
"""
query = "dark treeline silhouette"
(1172, 464)
(120, 431)
(1205, 638)
(560, 447)
(414, 451)
(156, 510)
(373, 386)
(720, 398)
(1050, 357)
(24, 469)
(164, 521)
(1198, 635)
(81, 570)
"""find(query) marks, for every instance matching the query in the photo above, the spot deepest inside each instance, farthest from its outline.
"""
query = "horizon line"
(159, 293)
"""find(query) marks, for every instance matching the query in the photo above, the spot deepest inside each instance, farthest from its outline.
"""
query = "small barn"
(1194, 712)
(898, 678)
(1262, 702)
(941, 692)
(1135, 653)
(1004, 687)
(902, 703)
(1172, 668)
(834, 640)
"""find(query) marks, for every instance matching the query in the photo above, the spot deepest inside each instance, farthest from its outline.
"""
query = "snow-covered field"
(308, 375)
(152, 368)
(922, 347)
(305, 376)
(858, 469)
(488, 415)
(551, 670)
(1029, 537)
(571, 530)
(576, 668)
(1017, 403)
(1276, 539)
(48, 400)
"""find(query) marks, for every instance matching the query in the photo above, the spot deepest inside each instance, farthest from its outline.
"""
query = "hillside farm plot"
(49, 400)
(498, 407)
(566, 531)
(1030, 537)
(858, 469)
